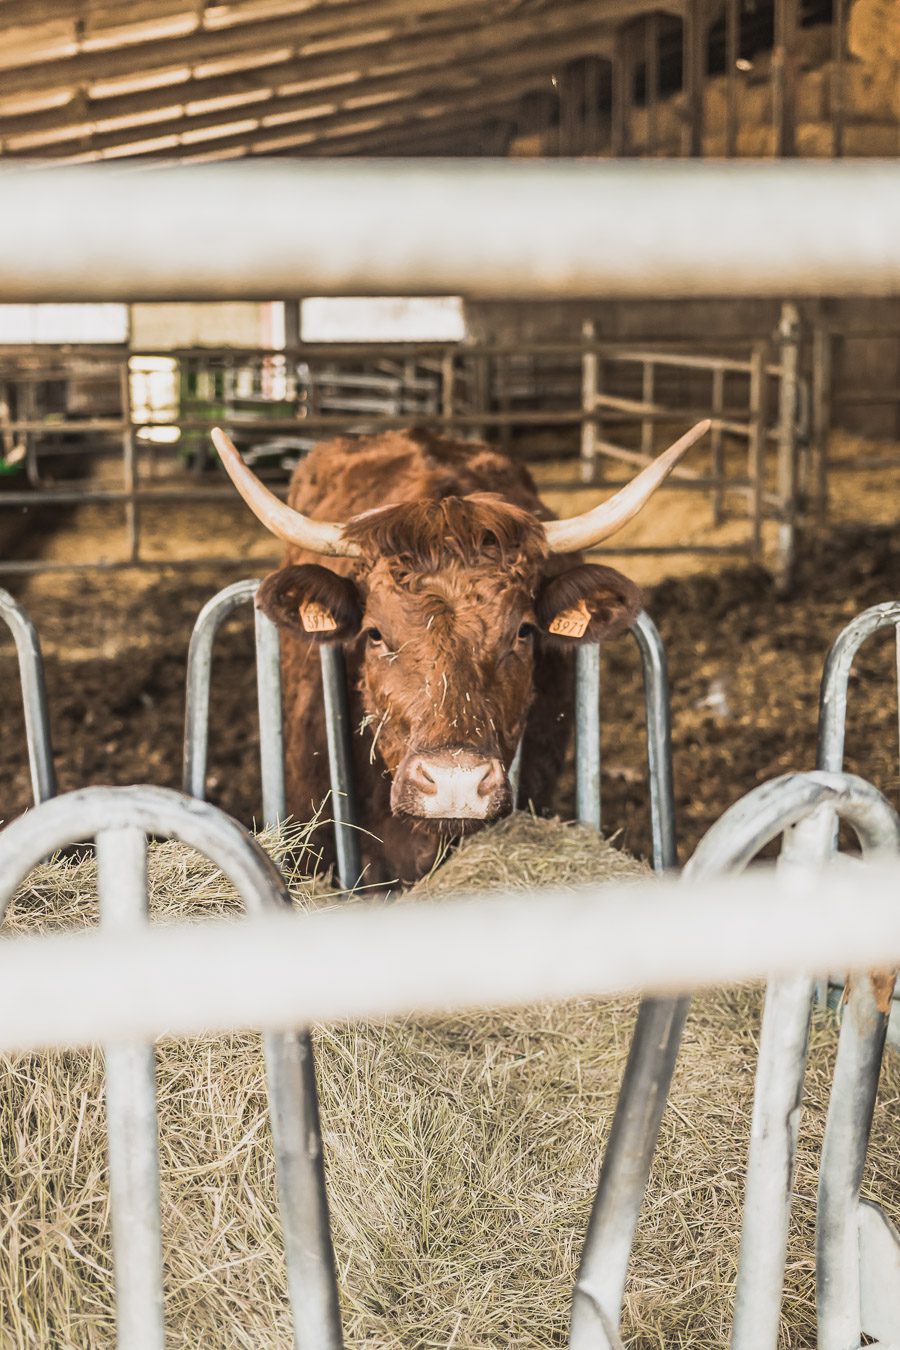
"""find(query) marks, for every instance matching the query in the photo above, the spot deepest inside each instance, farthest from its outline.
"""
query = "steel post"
(587, 734)
(132, 1134)
(659, 742)
(340, 764)
(271, 730)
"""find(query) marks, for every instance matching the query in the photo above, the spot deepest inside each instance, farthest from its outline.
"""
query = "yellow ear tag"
(316, 618)
(572, 622)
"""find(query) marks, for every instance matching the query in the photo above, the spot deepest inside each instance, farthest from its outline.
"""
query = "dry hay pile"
(462, 1155)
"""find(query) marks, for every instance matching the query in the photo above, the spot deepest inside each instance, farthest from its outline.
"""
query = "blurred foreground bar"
(487, 229)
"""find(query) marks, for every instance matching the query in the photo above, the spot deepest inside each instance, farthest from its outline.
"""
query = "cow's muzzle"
(450, 785)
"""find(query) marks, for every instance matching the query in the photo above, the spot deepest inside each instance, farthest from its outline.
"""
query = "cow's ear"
(586, 603)
(311, 602)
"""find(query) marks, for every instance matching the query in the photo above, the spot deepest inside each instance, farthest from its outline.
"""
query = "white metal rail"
(491, 229)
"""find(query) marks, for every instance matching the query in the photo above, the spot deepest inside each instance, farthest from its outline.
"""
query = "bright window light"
(382, 319)
(63, 323)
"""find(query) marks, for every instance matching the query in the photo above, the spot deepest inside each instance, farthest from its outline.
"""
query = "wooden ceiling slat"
(457, 44)
(208, 45)
(416, 112)
(537, 57)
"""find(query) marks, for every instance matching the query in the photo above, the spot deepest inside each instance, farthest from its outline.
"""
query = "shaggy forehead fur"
(475, 531)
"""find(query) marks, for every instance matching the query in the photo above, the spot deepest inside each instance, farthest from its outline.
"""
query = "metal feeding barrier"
(338, 729)
(858, 1252)
(833, 727)
(34, 697)
(271, 739)
(126, 984)
(120, 820)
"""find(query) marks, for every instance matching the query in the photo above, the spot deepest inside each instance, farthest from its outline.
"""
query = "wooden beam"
(435, 72)
(207, 45)
(838, 59)
(696, 31)
(439, 134)
(437, 36)
(622, 94)
(651, 80)
(784, 77)
(418, 110)
(732, 53)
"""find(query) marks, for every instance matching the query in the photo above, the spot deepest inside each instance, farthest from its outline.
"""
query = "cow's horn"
(318, 536)
(588, 529)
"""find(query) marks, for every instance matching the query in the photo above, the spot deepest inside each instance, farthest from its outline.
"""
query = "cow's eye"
(525, 631)
(374, 635)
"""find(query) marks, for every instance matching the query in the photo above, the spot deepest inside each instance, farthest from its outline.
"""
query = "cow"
(458, 599)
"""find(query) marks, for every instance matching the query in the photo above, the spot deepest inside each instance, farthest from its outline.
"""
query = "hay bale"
(873, 31)
(462, 1154)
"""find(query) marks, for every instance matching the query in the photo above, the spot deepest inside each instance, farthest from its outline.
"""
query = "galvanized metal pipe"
(34, 697)
(587, 734)
(271, 729)
(729, 846)
(257, 229)
(847, 1127)
(660, 936)
(836, 677)
(340, 764)
(119, 819)
(664, 849)
(199, 674)
(132, 1133)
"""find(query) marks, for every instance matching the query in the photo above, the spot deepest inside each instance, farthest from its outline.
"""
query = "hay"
(462, 1155)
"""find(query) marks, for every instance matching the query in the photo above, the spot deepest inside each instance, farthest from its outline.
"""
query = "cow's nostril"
(491, 779)
(421, 777)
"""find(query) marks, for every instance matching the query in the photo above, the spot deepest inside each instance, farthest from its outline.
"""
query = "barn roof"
(84, 80)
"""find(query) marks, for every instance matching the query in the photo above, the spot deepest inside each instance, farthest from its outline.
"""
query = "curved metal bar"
(588, 806)
(120, 819)
(199, 670)
(729, 846)
(268, 690)
(836, 675)
(34, 697)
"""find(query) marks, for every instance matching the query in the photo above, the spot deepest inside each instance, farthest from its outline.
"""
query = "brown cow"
(458, 599)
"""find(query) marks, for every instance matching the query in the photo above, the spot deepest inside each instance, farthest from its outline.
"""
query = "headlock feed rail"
(34, 697)
(125, 984)
(120, 821)
(339, 731)
(851, 1239)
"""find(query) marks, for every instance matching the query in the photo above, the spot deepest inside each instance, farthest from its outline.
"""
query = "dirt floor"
(744, 663)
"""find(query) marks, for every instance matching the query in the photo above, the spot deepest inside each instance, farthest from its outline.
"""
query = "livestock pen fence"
(802, 806)
(128, 983)
(126, 430)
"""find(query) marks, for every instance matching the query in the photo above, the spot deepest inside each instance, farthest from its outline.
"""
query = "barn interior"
(117, 525)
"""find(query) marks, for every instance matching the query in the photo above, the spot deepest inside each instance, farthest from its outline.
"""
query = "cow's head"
(450, 598)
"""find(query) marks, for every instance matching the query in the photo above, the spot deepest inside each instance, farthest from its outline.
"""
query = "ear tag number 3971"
(316, 618)
(572, 622)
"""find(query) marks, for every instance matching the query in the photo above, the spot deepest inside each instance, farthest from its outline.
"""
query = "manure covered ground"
(744, 666)
(462, 1153)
